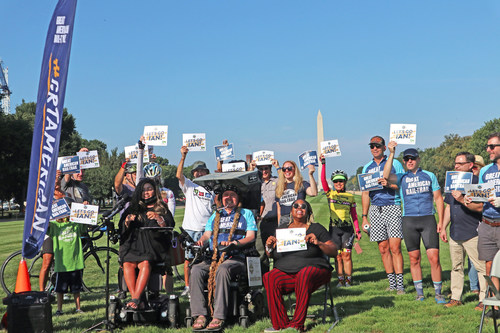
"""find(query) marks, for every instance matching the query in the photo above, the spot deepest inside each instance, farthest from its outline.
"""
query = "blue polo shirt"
(417, 192)
(385, 196)
(491, 174)
(245, 223)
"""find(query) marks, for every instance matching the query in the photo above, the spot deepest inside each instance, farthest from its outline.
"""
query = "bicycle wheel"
(8, 271)
(94, 274)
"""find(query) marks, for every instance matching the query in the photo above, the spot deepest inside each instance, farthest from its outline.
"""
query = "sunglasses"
(409, 158)
(375, 145)
(301, 206)
(461, 163)
(266, 168)
(338, 181)
(493, 146)
(287, 169)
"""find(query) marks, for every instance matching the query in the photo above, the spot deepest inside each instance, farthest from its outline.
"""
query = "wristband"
(124, 164)
(364, 215)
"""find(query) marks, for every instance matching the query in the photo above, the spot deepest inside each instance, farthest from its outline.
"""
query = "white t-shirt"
(199, 203)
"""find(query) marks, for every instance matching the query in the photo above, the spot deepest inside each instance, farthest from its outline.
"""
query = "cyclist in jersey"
(343, 217)
(419, 190)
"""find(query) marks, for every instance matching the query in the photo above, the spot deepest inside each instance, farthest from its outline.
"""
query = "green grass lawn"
(365, 307)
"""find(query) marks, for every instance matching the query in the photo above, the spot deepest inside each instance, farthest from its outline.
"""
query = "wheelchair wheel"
(188, 320)
(113, 314)
(257, 306)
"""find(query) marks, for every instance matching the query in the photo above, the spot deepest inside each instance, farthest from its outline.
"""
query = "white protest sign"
(223, 153)
(232, 167)
(291, 239)
(330, 148)
(405, 134)
(68, 164)
(88, 159)
(156, 135)
(480, 192)
(194, 141)
(254, 272)
(263, 157)
(85, 214)
(132, 152)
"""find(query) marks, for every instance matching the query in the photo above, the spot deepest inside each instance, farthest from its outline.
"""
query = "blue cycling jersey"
(385, 196)
(417, 192)
(491, 174)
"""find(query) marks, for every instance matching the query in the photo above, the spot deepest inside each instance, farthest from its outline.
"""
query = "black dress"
(138, 245)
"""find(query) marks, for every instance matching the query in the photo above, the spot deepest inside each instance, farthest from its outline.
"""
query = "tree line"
(16, 133)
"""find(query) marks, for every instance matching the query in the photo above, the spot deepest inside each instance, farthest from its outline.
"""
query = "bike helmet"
(152, 170)
(339, 174)
(130, 168)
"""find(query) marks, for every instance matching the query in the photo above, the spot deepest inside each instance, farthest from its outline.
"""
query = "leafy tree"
(479, 139)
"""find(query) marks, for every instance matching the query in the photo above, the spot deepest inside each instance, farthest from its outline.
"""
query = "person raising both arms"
(291, 187)
(343, 217)
(419, 190)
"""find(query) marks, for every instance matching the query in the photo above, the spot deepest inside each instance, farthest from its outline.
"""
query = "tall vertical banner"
(47, 128)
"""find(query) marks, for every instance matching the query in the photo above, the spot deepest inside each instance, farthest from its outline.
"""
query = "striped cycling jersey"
(491, 174)
(385, 196)
(417, 192)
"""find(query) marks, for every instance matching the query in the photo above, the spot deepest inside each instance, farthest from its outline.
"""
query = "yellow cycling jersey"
(340, 207)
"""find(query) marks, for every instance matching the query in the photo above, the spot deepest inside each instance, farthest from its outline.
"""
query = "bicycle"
(94, 276)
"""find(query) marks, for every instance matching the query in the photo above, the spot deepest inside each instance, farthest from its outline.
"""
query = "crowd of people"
(403, 209)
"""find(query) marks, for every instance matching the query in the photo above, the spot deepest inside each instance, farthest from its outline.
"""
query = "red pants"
(304, 283)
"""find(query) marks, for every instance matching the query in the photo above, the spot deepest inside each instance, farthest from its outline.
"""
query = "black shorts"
(343, 237)
(47, 246)
(416, 227)
(73, 280)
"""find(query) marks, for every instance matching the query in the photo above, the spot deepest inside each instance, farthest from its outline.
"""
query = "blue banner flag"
(47, 129)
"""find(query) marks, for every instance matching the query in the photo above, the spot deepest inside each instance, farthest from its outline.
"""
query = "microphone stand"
(110, 229)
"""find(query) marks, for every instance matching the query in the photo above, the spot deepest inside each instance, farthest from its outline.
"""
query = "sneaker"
(270, 329)
(440, 299)
(452, 303)
(340, 285)
(479, 306)
(185, 292)
(401, 292)
(420, 298)
(347, 284)
(66, 297)
(59, 313)
(79, 311)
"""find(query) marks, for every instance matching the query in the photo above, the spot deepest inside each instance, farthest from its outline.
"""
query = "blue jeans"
(473, 280)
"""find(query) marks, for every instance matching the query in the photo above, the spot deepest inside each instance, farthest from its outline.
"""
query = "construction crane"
(4, 89)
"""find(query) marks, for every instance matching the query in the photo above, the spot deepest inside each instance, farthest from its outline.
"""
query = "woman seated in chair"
(140, 247)
(300, 271)
(229, 224)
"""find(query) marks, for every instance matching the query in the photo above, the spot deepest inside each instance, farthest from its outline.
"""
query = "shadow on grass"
(346, 309)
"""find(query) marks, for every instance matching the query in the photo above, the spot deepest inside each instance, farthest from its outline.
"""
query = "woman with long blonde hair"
(291, 187)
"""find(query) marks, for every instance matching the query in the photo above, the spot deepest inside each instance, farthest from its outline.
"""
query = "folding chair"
(327, 303)
(495, 300)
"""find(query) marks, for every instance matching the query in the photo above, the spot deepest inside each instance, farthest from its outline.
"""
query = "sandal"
(200, 323)
(215, 324)
(133, 304)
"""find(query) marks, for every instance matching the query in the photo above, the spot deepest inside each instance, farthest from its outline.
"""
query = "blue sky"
(257, 72)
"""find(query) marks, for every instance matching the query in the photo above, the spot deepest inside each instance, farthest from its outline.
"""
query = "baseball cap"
(410, 152)
(377, 139)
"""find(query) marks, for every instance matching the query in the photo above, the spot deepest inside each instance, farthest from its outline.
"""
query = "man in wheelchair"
(229, 225)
